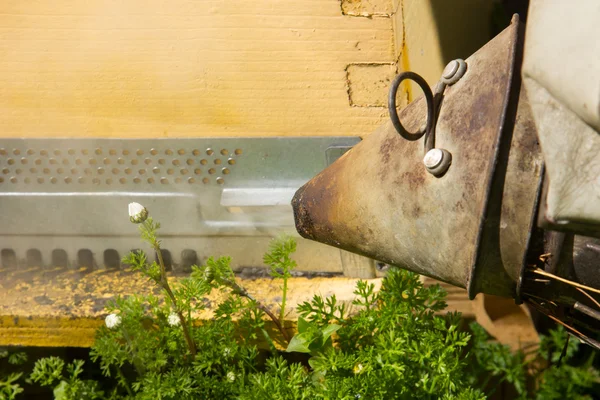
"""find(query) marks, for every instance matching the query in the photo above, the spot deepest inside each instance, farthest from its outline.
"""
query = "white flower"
(112, 321)
(137, 213)
(173, 319)
(231, 376)
(226, 352)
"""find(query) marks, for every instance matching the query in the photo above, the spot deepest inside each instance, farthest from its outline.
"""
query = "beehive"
(185, 69)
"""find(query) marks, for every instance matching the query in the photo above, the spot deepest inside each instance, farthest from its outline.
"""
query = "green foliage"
(216, 273)
(281, 265)
(497, 360)
(138, 262)
(312, 338)
(281, 380)
(279, 257)
(393, 346)
(9, 387)
(51, 370)
(554, 380)
(323, 311)
(551, 346)
(17, 358)
(48, 370)
(567, 379)
(147, 340)
(149, 232)
(392, 343)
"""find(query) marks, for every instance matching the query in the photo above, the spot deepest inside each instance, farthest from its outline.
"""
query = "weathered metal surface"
(378, 199)
(512, 193)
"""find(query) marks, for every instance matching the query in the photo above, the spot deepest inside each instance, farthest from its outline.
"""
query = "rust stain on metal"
(414, 179)
(309, 206)
(387, 148)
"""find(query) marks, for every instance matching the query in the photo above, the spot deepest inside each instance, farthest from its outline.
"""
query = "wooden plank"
(64, 307)
(180, 68)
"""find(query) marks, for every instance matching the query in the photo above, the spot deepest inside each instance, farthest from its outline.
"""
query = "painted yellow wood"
(180, 68)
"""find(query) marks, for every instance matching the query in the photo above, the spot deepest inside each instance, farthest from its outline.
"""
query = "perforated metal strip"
(64, 201)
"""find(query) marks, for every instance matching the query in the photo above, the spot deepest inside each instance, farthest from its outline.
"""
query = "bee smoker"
(455, 187)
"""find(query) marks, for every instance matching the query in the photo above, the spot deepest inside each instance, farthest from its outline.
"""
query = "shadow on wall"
(464, 26)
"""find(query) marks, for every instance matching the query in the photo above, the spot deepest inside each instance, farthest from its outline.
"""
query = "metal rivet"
(453, 71)
(450, 69)
(437, 161)
(433, 158)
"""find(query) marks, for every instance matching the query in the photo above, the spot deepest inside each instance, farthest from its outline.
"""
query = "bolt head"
(433, 158)
(450, 69)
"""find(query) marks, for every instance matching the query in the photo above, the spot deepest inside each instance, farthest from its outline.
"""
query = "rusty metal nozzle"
(468, 225)
(466, 212)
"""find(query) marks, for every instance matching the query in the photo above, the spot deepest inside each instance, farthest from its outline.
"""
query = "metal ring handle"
(418, 79)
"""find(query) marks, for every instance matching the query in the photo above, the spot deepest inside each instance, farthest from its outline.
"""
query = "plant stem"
(270, 341)
(165, 285)
(243, 292)
(136, 360)
(123, 381)
(283, 297)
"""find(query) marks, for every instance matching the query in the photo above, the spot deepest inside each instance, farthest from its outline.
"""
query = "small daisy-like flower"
(231, 376)
(357, 396)
(112, 321)
(173, 319)
(137, 213)
(226, 352)
(358, 368)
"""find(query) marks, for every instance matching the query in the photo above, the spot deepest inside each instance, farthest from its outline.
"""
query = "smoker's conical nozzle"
(379, 200)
